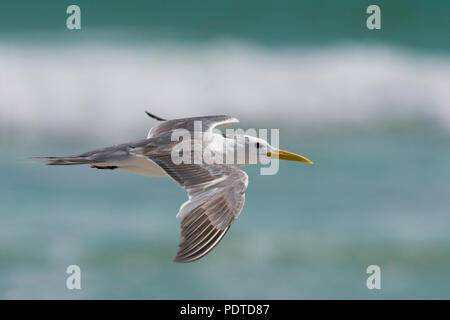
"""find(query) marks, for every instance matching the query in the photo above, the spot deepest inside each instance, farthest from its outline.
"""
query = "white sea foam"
(100, 90)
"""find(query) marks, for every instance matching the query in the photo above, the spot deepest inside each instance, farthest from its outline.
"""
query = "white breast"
(138, 165)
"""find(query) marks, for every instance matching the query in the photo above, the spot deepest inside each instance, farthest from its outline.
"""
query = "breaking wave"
(100, 90)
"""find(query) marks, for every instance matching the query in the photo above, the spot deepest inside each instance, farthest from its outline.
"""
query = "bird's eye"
(257, 145)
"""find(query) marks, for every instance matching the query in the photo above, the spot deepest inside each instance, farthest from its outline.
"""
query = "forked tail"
(103, 158)
(106, 158)
(64, 161)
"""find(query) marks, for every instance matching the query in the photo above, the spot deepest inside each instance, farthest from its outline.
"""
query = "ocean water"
(371, 109)
(308, 232)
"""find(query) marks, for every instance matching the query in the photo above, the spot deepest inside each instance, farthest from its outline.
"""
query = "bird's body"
(215, 186)
(136, 165)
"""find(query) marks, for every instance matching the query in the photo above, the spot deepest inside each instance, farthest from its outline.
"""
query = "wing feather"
(208, 123)
(216, 197)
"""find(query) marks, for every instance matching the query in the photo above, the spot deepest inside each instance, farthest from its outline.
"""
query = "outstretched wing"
(208, 123)
(216, 197)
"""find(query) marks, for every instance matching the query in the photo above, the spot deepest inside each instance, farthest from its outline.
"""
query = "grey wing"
(216, 197)
(208, 123)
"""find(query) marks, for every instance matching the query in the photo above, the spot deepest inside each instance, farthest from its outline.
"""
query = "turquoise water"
(308, 232)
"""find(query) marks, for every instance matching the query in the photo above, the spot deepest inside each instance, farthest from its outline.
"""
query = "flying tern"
(216, 190)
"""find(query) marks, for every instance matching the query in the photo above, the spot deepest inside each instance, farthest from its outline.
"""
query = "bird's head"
(257, 149)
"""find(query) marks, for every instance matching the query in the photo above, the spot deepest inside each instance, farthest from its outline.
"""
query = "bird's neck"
(233, 150)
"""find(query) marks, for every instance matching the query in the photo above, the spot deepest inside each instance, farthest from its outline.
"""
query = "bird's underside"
(216, 191)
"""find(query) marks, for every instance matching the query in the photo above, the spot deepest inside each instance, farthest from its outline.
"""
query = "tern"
(216, 190)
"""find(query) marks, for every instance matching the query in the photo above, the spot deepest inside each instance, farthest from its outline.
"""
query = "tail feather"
(106, 157)
(64, 161)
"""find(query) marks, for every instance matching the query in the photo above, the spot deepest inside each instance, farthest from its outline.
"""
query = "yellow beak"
(286, 155)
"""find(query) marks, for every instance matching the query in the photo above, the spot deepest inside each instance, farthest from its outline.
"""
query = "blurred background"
(370, 108)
